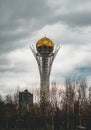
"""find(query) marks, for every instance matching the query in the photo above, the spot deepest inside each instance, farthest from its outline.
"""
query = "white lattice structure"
(44, 54)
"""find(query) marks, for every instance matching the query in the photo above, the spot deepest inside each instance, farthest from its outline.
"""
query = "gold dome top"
(45, 42)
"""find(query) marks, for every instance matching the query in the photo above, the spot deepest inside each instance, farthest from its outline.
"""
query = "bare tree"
(69, 100)
(53, 95)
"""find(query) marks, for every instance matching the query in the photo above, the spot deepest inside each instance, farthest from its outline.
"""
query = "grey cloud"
(14, 70)
(72, 13)
(26, 14)
(6, 38)
(77, 19)
(32, 15)
(3, 60)
(25, 9)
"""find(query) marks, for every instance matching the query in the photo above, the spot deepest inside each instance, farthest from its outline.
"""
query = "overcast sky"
(24, 22)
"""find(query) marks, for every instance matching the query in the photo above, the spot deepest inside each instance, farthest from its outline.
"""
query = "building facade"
(25, 101)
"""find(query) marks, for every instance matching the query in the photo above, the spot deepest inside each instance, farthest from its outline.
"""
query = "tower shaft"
(44, 63)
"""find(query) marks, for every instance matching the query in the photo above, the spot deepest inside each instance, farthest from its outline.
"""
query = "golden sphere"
(45, 42)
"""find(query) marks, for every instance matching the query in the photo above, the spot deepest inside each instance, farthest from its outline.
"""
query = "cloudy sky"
(24, 22)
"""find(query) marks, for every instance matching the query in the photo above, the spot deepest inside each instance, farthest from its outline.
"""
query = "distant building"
(25, 101)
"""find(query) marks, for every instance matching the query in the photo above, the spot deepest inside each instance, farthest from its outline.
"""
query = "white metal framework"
(44, 61)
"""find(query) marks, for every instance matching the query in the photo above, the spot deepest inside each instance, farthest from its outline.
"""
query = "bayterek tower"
(44, 53)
